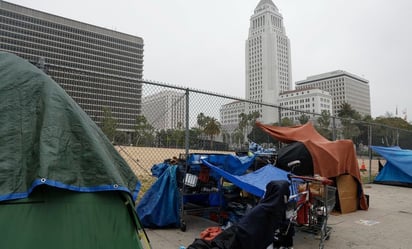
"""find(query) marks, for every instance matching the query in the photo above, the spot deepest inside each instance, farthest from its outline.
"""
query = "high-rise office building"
(230, 115)
(268, 63)
(344, 87)
(307, 102)
(96, 66)
(165, 110)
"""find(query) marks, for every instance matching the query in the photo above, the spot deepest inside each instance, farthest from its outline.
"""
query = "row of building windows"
(75, 63)
(80, 33)
(31, 33)
(103, 81)
(89, 95)
(45, 50)
(96, 88)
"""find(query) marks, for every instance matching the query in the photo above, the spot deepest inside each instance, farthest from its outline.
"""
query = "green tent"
(62, 183)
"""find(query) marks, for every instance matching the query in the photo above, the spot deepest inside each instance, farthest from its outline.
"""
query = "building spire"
(263, 2)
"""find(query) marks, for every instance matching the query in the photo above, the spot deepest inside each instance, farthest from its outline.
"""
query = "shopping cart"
(310, 203)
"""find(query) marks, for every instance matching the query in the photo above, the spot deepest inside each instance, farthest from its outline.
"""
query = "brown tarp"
(330, 158)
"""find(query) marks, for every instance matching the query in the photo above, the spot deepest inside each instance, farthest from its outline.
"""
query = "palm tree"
(211, 129)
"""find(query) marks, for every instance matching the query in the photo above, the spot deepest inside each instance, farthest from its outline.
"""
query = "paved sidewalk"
(386, 225)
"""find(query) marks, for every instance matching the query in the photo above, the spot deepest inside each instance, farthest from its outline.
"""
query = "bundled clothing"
(256, 229)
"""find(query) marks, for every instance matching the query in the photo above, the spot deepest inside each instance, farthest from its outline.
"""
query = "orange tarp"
(330, 158)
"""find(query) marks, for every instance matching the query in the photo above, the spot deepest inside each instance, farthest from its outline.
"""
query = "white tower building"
(268, 64)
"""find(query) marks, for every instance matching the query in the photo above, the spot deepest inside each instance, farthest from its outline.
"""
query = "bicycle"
(310, 202)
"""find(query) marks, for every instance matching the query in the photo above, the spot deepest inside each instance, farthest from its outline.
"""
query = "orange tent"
(330, 158)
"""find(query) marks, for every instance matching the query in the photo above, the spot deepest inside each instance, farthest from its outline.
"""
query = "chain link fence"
(174, 121)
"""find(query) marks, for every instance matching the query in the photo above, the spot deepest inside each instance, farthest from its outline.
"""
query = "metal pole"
(187, 124)
(370, 152)
(333, 128)
(280, 116)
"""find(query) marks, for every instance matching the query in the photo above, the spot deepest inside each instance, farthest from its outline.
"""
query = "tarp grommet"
(115, 186)
(43, 180)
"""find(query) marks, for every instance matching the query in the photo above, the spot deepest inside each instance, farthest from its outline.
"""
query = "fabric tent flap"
(330, 158)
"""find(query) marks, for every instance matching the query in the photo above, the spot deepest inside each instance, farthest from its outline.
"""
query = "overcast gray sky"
(201, 43)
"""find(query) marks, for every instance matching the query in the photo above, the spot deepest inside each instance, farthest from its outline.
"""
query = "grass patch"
(146, 181)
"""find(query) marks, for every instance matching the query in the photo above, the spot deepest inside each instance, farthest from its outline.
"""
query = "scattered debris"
(367, 222)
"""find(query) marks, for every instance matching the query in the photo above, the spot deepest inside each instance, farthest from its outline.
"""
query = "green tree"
(243, 122)
(144, 132)
(209, 126)
(346, 111)
(286, 122)
(348, 116)
(194, 141)
(388, 129)
(303, 119)
(247, 122)
(122, 138)
(212, 128)
(323, 123)
(109, 124)
(202, 120)
(178, 137)
(258, 136)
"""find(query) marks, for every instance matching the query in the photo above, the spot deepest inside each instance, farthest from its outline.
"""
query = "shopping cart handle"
(326, 181)
(323, 180)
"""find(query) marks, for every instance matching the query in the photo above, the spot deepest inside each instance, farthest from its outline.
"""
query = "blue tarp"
(235, 165)
(159, 206)
(254, 182)
(398, 167)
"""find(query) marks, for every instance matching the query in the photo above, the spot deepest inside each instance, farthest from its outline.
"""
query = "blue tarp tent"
(398, 167)
(160, 205)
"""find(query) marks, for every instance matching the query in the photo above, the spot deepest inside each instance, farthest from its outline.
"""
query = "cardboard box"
(347, 193)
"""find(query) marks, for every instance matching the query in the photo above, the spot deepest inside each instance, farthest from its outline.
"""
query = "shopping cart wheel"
(183, 226)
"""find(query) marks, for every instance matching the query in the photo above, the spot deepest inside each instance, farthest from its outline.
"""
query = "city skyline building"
(165, 110)
(229, 115)
(307, 102)
(97, 67)
(344, 87)
(268, 61)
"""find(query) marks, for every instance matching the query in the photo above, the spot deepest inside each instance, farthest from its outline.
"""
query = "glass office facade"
(97, 67)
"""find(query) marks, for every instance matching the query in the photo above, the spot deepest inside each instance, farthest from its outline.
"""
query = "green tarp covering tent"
(62, 183)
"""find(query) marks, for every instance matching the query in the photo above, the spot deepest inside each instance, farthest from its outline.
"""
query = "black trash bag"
(292, 152)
